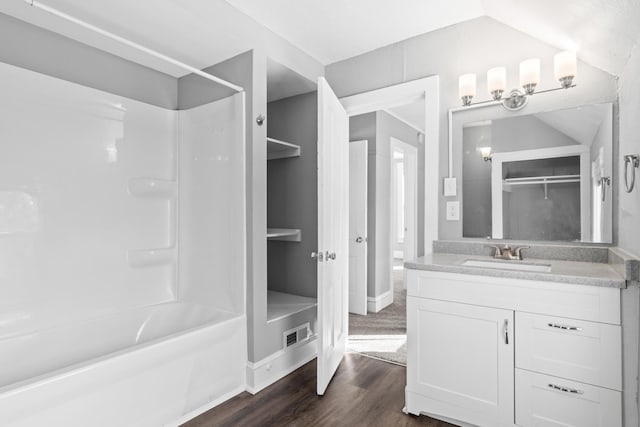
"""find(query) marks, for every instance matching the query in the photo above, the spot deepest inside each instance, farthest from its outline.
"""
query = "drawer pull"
(564, 327)
(565, 389)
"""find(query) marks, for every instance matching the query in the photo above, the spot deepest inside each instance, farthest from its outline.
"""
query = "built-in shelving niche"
(281, 305)
(159, 189)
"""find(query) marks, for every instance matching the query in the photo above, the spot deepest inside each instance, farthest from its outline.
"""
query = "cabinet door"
(460, 361)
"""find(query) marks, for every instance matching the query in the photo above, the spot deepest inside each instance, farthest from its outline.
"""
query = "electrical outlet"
(450, 187)
(453, 211)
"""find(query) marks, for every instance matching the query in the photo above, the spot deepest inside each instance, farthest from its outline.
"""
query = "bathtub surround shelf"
(281, 305)
(277, 149)
(284, 234)
(153, 188)
(144, 258)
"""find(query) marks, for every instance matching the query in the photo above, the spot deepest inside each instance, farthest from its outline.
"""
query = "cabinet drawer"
(546, 401)
(583, 351)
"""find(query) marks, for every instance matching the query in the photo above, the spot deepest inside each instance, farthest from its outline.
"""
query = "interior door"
(358, 227)
(333, 233)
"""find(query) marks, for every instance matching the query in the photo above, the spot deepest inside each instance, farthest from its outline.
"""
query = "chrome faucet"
(507, 253)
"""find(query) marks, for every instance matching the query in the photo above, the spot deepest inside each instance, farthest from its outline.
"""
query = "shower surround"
(122, 255)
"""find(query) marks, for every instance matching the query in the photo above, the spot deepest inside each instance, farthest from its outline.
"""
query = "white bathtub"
(157, 365)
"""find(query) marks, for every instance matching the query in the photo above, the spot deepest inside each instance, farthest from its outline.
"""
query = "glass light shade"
(486, 153)
(497, 79)
(565, 65)
(467, 85)
(530, 72)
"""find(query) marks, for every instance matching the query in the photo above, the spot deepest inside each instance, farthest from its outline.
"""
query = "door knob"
(317, 256)
(331, 255)
(359, 239)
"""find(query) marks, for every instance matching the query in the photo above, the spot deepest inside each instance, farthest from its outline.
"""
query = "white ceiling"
(204, 32)
(332, 30)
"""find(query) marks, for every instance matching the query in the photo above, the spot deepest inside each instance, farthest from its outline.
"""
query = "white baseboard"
(278, 365)
(376, 304)
(204, 408)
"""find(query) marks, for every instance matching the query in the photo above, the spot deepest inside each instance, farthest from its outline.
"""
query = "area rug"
(382, 335)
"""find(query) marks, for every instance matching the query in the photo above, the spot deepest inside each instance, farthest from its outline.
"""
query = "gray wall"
(471, 46)
(292, 195)
(629, 203)
(194, 90)
(27, 46)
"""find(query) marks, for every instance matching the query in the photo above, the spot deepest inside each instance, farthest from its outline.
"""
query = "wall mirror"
(543, 176)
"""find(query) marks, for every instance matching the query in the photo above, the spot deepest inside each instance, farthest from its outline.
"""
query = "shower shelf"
(154, 188)
(143, 258)
(284, 234)
(277, 149)
(281, 305)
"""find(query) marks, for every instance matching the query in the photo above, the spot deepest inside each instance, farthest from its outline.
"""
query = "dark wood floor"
(364, 392)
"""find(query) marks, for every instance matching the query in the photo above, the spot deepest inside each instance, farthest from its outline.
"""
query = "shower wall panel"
(87, 200)
(212, 205)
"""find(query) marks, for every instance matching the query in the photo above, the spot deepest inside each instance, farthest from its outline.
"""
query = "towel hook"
(634, 161)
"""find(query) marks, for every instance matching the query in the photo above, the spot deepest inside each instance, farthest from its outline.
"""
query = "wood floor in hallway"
(364, 392)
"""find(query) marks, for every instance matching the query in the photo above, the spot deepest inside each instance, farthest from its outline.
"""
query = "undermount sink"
(508, 265)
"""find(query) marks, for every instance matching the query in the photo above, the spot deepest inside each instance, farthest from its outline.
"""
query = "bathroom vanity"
(535, 344)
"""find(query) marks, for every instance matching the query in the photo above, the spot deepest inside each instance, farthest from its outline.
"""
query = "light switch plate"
(453, 211)
(450, 187)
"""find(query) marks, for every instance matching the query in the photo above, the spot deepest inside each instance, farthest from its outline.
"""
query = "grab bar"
(634, 161)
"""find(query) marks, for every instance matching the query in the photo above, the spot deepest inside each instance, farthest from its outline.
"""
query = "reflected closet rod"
(134, 45)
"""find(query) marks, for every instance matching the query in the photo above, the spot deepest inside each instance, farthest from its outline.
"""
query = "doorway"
(403, 206)
(401, 224)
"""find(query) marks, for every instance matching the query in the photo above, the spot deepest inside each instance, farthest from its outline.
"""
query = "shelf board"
(277, 149)
(284, 234)
(281, 305)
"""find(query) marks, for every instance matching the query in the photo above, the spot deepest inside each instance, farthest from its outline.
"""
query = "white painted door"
(461, 356)
(333, 233)
(358, 227)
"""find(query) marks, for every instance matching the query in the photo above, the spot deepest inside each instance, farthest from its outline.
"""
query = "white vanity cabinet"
(461, 357)
(492, 351)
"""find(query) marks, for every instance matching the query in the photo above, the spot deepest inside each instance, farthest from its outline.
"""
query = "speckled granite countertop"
(572, 272)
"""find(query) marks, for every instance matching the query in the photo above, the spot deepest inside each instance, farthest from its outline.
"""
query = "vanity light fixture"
(486, 153)
(565, 67)
(467, 88)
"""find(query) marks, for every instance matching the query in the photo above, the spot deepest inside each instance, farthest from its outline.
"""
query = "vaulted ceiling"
(204, 32)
